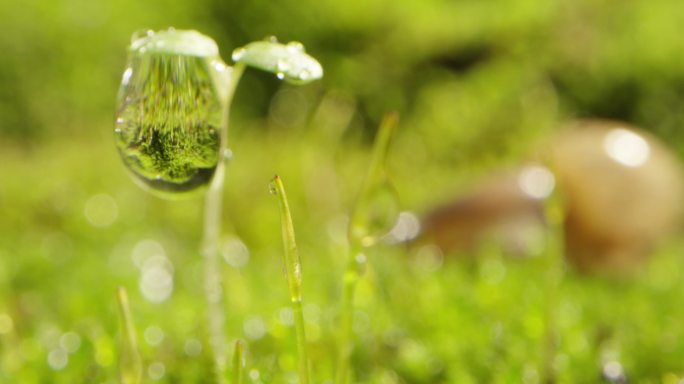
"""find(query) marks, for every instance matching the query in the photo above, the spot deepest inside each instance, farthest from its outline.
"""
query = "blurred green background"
(476, 83)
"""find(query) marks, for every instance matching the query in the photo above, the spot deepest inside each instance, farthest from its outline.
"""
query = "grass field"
(477, 85)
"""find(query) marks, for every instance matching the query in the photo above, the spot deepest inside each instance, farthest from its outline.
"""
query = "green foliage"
(476, 83)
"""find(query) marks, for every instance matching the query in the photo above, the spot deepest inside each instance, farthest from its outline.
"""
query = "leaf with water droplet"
(288, 61)
(171, 104)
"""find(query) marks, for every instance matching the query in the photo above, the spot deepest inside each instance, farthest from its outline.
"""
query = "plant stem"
(238, 362)
(131, 366)
(359, 235)
(354, 271)
(554, 213)
(210, 249)
(293, 267)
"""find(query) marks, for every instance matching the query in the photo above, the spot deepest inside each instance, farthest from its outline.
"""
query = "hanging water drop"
(169, 113)
(272, 188)
(238, 54)
(280, 75)
(295, 47)
(271, 39)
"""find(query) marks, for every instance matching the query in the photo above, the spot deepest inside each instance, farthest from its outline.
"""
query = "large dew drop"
(171, 104)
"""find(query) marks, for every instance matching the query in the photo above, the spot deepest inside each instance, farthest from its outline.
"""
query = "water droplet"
(271, 39)
(377, 213)
(238, 54)
(280, 75)
(227, 154)
(126, 76)
(283, 66)
(304, 74)
(295, 47)
(167, 122)
(272, 188)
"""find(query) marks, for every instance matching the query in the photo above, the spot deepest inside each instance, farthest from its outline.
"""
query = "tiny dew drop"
(295, 46)
(238, 54)
(271, 39)
(272, 189)
(280, 75)
(377, 213)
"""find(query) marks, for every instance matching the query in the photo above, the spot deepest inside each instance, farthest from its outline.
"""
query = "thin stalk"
(131, 366)
(358, 234)
(213, 286)
(353, 273)
(293, 268)
(554, 213)
(238, 362)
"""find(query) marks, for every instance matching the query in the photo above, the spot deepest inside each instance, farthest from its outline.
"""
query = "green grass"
(476, 85)
(420, 318)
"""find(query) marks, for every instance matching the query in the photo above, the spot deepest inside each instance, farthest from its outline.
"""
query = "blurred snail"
(622, 191)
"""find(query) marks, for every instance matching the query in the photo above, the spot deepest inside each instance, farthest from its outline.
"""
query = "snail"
(622, 190)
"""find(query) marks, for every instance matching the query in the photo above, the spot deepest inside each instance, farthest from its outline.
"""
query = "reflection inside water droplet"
(168, 121)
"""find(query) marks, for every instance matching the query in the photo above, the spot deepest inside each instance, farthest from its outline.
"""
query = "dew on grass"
(171, 104)
(378, 211)
(288, 62)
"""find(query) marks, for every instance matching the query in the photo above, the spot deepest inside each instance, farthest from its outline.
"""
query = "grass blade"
(130, 364)
(238, 362)
(293, 268)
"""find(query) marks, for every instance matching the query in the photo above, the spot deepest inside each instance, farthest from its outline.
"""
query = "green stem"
(554, 209)
(353, 273)
(210, 249)
(238, 362)
(293, 269)
(131, 366)
(357, 234)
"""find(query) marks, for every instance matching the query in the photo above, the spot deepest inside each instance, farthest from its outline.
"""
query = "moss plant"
(130, 362)
(374, 214)
(293, 269)
(172, 129)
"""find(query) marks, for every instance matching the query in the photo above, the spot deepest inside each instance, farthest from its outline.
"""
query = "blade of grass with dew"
(374, 214)
(130, 365)
(293, 268)
(238, 362)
